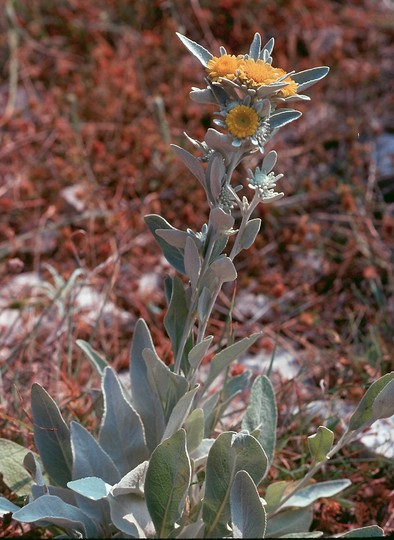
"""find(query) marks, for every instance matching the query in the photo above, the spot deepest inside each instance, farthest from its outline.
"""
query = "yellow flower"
(242, 121)
(257, 73)
(223, 67)
(290, 89)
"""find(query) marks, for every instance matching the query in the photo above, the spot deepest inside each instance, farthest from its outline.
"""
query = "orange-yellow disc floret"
(257, 73)
(242, 121)
(290, 89)
(224, 67)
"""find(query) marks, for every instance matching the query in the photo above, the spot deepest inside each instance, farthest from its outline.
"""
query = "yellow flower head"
(242, 121)
(224, 67)
(290, 89)
(257, 73)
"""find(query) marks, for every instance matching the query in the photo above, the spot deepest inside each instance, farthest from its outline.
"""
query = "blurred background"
(92, 94)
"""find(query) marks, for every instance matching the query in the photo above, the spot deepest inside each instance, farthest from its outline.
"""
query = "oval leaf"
(365, 413)
(167, 482)
(229, 454)
(261, 414)
(250, 232)
(320, 443)
(248, 516)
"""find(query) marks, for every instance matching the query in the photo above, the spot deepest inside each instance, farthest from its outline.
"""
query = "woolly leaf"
(283, 117)
(89, 458)
(250, 232)
(229, 454)
(173, 254)
(320, 443)
(179, 413)
(194, 427)
(247, 511)
(306, 496)
(223, 359)
(98, 362)
(198, 352)
(192, 163)
(167, 482)
(308, 77)
(223, 268)
(261, 413)
(52, 436)
(144, 398)
(132, 482)
(122, 434)
(130, 515)
(177, 312)
(91, 487)
(290, 522)
(254, 50)
(192, 261)
(197, 50)
(366, 413)
(371, 531)
(267, 50)
(53, 510)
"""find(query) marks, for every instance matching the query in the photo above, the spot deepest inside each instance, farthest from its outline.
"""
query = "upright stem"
(191, 316)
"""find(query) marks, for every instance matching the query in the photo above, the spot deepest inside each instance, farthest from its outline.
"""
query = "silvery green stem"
(234, 252)
(191, 316)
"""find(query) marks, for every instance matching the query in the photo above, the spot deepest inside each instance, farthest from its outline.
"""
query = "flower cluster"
(249, 91)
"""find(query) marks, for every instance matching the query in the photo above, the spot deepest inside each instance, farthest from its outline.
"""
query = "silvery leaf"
(220, 220)
(173, 255)
(308, 77)
(53, 510)
(144, 398)
(215, 174)
(174, 237)
(167, 482)
(248, 516)
(197, 50)
(366, 412)
(204, 301)
(192, 261)
(254, 50)
(91, 487)
(192, 163)
(283, 117)
(132, 482)
(267, 49)
(250, 232)
(224, 269)
(51, 435)
(203, 96)
(269, 161)
(198, 352)
(179, 413)
(122, 433)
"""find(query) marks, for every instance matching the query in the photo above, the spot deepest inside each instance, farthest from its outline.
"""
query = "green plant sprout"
(157, 469)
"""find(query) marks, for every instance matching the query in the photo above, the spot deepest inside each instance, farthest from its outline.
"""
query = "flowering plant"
(158, 467)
